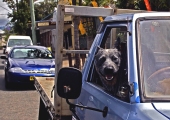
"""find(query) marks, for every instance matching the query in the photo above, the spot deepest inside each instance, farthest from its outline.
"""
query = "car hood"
(32, 63)
(162, 108)
(150, 111)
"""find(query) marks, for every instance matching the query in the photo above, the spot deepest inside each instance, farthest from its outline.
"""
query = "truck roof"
(130, 16)
(31, 46)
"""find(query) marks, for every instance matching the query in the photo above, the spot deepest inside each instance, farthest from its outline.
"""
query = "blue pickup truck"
(143, 91)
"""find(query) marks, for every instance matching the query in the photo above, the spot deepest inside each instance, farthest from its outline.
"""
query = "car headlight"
(51, 71)
(16, 70)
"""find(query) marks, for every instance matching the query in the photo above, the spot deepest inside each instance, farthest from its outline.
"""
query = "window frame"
(101, 42)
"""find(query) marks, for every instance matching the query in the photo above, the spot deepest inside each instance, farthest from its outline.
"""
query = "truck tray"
(45, 86)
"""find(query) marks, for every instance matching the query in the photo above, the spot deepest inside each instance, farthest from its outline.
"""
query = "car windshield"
(31, 53)
(14, 42)
(154, 37)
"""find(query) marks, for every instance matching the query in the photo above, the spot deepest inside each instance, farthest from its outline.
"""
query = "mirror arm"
(72, 106)
(104, 111)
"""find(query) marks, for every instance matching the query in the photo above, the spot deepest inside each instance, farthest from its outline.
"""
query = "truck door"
(93, 93)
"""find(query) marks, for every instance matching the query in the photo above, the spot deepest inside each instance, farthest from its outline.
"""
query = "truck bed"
(44, 86)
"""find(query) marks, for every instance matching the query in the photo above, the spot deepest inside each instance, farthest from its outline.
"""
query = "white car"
(17, 40)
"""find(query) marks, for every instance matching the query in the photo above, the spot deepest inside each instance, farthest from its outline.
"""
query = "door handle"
(91, 98)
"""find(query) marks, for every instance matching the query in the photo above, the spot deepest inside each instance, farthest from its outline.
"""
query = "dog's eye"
(114, 58)
(102, 59)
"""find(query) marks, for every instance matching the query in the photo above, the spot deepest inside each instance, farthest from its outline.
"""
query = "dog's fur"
(107, 63)
(110, 65)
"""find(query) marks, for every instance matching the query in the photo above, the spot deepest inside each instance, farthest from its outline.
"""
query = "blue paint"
(135, 86)
(137, 100)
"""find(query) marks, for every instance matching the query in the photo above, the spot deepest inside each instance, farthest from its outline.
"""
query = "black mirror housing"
(72, 78)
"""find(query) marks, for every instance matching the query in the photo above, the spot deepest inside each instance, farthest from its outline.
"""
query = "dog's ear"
(117, 44)
(98, 48)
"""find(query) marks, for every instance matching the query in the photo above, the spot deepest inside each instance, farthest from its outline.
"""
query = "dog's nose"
(109, 70)
(109, 67)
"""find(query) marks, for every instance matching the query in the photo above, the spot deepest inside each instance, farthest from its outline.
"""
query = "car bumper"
(25, 78)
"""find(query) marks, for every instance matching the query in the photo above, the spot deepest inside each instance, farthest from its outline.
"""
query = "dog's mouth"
(108, 74)
(109, 77)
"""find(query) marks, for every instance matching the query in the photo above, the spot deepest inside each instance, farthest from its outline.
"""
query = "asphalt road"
(18, 103)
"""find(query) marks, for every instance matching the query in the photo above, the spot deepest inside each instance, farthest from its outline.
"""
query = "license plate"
(31, 78)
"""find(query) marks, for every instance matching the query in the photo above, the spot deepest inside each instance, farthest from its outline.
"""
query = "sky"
(4, 10)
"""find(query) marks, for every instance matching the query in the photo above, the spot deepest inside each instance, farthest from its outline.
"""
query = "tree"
(160, 5)
(21, 15)
(156, 5)
(124, 4)
(44, 10)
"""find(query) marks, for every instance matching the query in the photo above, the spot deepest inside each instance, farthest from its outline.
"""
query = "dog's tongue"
(109, 77)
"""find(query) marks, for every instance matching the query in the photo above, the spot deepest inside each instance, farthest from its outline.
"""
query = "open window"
(114, 36)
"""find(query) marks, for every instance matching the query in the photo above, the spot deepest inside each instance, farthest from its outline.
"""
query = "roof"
(19, 37)
(31, 46)
(119, 17)
(131, 16)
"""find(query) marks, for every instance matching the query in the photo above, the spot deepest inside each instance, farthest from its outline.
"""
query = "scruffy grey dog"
(107, 63)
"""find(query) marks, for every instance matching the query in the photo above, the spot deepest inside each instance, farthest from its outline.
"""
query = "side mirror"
(3, 57)
(69, 85)
(69, 78)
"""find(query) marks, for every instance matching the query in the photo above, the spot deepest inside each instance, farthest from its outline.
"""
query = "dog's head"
(107, 63)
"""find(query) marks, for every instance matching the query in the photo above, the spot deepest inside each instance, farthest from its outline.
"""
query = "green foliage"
(21, 10)
(21, 16)
(43, 9)
(124, 4)
(156, 5)
(160, 5)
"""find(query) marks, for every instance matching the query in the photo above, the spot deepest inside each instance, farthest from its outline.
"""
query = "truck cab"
(145, 73)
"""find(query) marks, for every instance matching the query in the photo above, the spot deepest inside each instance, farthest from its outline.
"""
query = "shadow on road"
(21, 88)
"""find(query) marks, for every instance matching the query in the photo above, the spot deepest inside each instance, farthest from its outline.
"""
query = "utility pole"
(33, 22)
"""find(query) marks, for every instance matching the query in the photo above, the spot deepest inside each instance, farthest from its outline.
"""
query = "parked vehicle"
(24, 62)
(17, 40)
(145, 50)
(142, 89)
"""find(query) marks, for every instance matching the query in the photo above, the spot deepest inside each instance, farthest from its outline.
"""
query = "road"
(18, 103)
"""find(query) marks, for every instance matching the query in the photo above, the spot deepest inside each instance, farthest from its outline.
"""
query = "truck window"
(14, 42)
(114, 36)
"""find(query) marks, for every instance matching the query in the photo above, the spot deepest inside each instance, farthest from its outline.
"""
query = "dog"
(107, 63)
